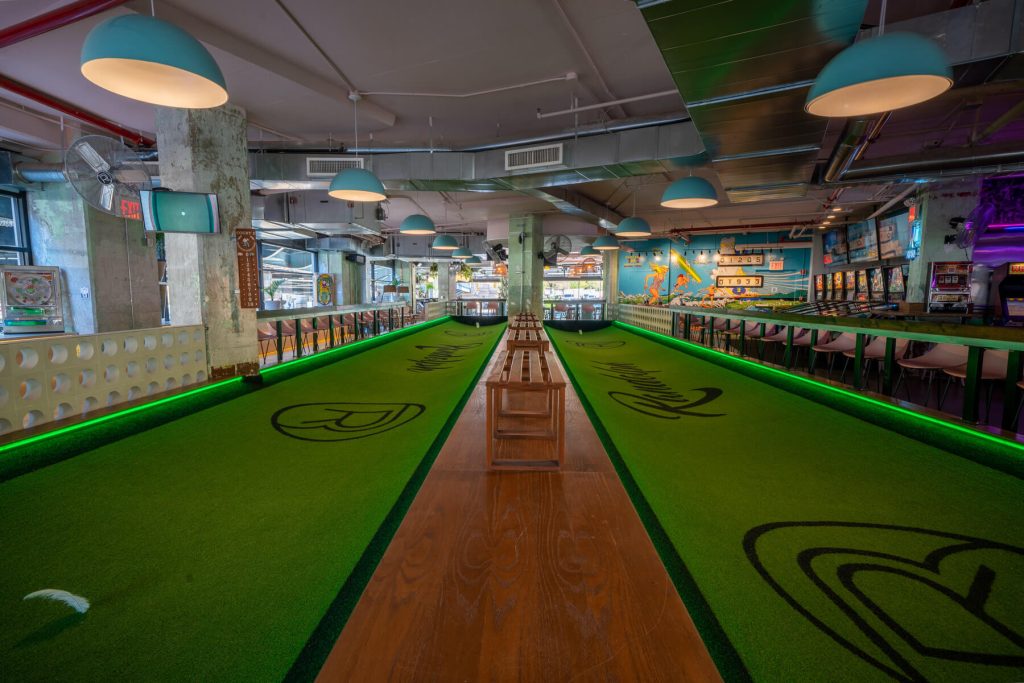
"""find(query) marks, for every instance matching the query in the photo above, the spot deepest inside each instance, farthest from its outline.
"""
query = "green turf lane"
(823, 547)
(212, 546)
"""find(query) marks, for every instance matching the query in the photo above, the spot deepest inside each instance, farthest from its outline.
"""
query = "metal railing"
(575, 309)
(698, 324)
(303, 332)
(477, 307)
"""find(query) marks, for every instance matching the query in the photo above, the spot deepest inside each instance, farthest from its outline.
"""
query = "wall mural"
(712, 271)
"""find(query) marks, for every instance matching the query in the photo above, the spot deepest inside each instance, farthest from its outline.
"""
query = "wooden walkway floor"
(520, 576)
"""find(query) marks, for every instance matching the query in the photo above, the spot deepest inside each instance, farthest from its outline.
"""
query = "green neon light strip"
(942, 424)
(118, 414)
(351, 345)
(177, 397)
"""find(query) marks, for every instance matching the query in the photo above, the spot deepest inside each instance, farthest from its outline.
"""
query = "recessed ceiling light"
(831, 215)
(826, 222)
(837, 209)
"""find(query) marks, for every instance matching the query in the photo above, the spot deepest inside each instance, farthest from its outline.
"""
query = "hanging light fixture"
(147, 59)
(634, 226)
(691, 192)
(606, 243)
(588, 251)
(357, 184)
(417, 224)
(462, 253)
(445, 243)
(889, 71)
(474, 260)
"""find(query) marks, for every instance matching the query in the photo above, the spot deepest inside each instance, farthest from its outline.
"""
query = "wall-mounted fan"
(555, 247)
(968, 230)
(107, 174)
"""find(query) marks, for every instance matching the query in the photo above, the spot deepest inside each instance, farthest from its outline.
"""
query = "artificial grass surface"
(212, 546)
(827, 548)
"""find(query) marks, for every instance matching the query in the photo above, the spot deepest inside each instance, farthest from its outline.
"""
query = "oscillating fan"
(107, 174)
(555, 247)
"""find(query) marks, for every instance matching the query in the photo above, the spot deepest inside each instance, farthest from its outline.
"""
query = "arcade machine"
(851, 285)
(819, 287)
(1008, 293)
(896, 284)
(950, 288)
(31, 300)
(876, 283)
(837, 286)
(862, 285)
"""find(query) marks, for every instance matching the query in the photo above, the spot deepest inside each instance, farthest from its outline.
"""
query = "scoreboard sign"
(727, 281)
(741, 260)
(248, 268)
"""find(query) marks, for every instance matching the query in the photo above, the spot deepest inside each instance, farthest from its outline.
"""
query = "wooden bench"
(524, 373)
(527, 338)
(526, 320)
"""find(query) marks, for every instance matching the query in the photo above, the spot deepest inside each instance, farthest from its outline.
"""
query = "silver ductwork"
(316, 211)
(41, 173)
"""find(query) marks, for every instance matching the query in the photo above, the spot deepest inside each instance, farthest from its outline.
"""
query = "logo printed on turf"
(440, 356)
(880, 596)
(455, 333)
(654, 397)
(598, 345)
(343, 421)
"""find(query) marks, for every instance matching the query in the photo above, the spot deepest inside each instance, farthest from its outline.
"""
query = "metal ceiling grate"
(327, 167)
(533, 157)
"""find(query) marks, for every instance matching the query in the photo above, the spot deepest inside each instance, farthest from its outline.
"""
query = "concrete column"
(525, 268)
(205, 150)
(108, 263)
(610, 268)
(445, 282)
(936, 209)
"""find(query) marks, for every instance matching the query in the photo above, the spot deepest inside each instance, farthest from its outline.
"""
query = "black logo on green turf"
(455, 333)
(440, 356)
(654, 397)
(598, 345)
(343, 421)
(910, 602)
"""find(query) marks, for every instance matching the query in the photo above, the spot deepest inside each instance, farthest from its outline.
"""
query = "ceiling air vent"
(533, 157)
(327, 167)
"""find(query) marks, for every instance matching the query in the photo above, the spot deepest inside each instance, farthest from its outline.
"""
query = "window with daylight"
(14, 249)
(287, 276)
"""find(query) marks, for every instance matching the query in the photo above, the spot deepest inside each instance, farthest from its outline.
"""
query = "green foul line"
(313, 655)
(726, 657)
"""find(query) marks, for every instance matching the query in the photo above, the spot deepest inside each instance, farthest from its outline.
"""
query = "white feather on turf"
(75, 602)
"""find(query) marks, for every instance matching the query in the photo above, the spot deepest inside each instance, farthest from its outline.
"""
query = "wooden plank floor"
(524, 576)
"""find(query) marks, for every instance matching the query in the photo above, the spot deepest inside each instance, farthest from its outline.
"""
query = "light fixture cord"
(355, 121)
(881, 19)
(152, 7)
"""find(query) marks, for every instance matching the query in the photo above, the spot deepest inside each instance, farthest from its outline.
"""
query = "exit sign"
(776, 264)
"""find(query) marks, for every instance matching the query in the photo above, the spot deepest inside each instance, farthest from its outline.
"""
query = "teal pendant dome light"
(689, 193)
(633, 227)
(890, 71)
(588, 251)
(357, 184)
(474, 260)
(146, 59)
(445, 243)
(417, 224)
(462, 253)
(605, 243)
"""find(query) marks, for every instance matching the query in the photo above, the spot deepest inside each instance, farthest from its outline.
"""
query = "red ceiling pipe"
(48, 21)
(74, 112)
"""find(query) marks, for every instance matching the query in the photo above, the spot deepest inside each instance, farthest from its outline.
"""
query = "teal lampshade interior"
(417, 224)
(357, 185)
(462, 253)
(691, 192)
(605, 243)
(474, 260)
(890, 71)
(633, 226)
(588, 251)
(445, 242)
(150, 60)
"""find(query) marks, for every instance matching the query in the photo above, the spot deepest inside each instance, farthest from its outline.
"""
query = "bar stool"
(847, 341)
(471, 308)
(803, 339)
(308, 333)
(288, 335)
(993, 369)
(754, 333)
(780, 336)
(939, 357)
(339, 329)
(561, 312)
(875, 351)
(589, 312)
(266, 334)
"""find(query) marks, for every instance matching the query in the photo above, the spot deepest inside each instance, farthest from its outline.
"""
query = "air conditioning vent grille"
(327, 167)
(533, 157)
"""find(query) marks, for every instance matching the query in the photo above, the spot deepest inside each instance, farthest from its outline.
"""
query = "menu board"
(894, 236)
(862, 242)
(834, 242)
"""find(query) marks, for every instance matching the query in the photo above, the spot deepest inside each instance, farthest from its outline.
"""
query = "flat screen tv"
(835, 247)
(184, 212)
(894, 235)
(862, 242)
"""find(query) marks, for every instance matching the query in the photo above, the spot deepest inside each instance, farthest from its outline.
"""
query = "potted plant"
(464, 273)
(270, 303)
